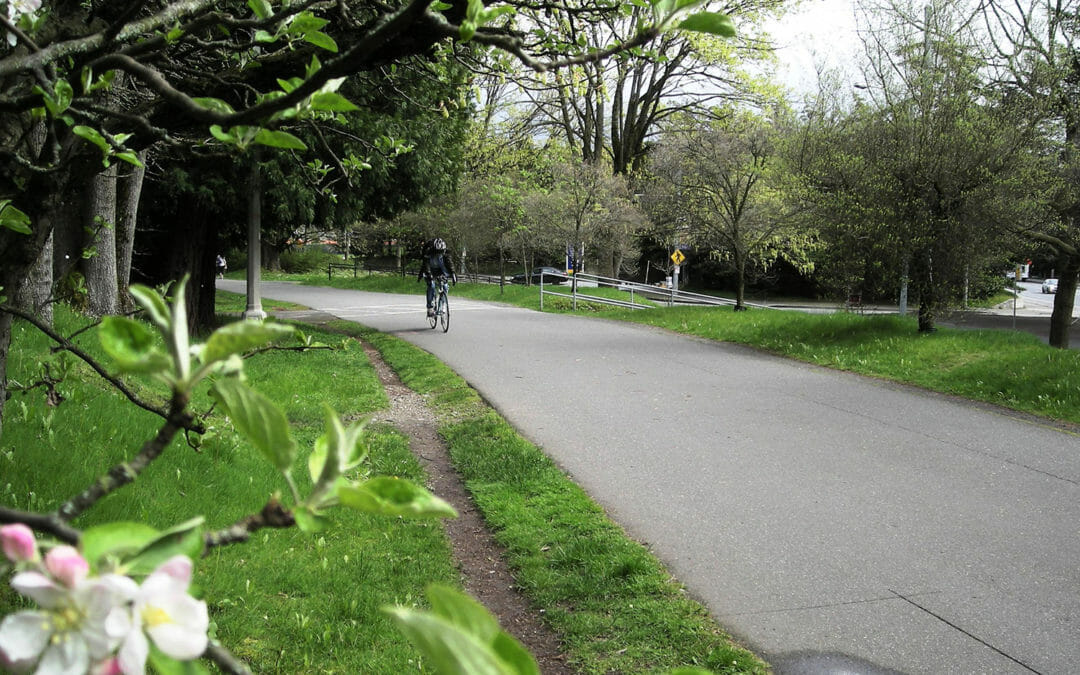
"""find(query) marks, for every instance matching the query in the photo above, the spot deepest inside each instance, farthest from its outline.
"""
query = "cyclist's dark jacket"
(434, 262)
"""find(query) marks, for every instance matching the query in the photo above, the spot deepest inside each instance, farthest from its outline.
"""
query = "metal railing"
(654, 294)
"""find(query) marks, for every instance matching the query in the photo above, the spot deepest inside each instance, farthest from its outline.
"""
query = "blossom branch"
(274, 514)
(49, 523)
(225, 660)
(69, 346)
(126, 472)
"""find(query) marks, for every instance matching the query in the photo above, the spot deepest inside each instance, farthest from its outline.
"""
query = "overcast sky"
(821, 30)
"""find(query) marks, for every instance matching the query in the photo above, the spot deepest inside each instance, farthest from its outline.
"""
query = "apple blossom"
(68, 633)
(66, 565)
(19, 543)
(163, 610)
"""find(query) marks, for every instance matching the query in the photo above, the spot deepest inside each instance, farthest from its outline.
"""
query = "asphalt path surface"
(832, 522)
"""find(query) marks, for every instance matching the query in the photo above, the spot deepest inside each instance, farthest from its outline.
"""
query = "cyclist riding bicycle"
(433, 263)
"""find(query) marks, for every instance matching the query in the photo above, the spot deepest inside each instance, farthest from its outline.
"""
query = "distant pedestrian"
(222, 266)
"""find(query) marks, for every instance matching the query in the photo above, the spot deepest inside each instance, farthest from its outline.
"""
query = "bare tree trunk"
(36, 293)
(128, 192)
(1064, 299)
(100, 267)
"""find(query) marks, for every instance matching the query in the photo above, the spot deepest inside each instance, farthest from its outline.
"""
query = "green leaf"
(394, 496)
(263, 36)
(12, 218)
(313, 67)
(473, 618)
(279, 139)
(460, 636)
(183, 539)
(93, 136)
(217, 132)
(166, 665)
(215, 104)
(306, 22)
(130, 157)
(241, 336)
(64, 95)
(131, 345)
(439, 6)
(449, 649)
(463, 612)
(257, 418)
(328, 100)
(117, 540)
(493, 13)
(467, 30)
(154, 305)
(261, 8)
(310, 522)
(473, 10)
(321, 40)
(709, 22)
(174, 34)
(180, 346)
(288, 85)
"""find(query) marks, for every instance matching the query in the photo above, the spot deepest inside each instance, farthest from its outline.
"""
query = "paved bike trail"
(834, 523)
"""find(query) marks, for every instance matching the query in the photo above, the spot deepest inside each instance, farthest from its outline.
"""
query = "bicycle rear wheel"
(433, 319)
(444, 315)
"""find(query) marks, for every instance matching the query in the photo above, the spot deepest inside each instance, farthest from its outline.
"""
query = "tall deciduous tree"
(199, 69)
(1036, 49)
(715, 184)
(913, 173)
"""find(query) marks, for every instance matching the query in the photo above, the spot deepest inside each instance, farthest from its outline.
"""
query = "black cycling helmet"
(438, 244)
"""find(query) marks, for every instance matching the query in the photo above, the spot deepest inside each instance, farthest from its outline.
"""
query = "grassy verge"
(285, 602)
(1008, 368)
(615, 605)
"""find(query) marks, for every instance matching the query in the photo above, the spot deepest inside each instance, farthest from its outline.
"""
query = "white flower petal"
(24, 635)
(178, 641)
(40, 588)
(68, 656)
(133, 653)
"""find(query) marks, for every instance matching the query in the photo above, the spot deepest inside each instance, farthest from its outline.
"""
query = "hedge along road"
(833, 522)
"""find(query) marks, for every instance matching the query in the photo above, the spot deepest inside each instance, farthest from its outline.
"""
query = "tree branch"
(274, 514)
(126, 472)
(69, 346)
(40, 522)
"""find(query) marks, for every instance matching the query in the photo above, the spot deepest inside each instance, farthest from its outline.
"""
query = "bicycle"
(442, 304)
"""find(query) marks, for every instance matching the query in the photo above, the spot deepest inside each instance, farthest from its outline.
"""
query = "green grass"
(285, 602)
(227, 302)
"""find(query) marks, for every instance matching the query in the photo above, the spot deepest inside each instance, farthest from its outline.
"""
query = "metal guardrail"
(357, 267)
(668, 296)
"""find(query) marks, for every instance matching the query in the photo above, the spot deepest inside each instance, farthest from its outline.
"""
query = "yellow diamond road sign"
(678, 257)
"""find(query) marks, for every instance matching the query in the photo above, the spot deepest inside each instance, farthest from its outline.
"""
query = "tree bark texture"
(1064, 299)
(128, 191)
(100, 224)
(35, 296)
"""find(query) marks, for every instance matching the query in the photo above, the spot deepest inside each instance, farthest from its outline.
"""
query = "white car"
(1049, 285)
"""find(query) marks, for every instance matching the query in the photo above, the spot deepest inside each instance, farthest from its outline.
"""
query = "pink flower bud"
(19, 543)
(66, 565)
(110, 666)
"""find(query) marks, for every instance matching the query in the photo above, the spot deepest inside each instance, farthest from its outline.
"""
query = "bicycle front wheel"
(444, 315)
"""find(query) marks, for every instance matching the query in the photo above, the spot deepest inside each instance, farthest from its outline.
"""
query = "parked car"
(1049, 285)
(550, 275)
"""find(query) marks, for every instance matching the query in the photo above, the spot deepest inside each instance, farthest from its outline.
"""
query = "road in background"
(834, 523)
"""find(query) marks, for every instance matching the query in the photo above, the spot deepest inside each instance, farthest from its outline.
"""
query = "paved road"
(832, 522)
